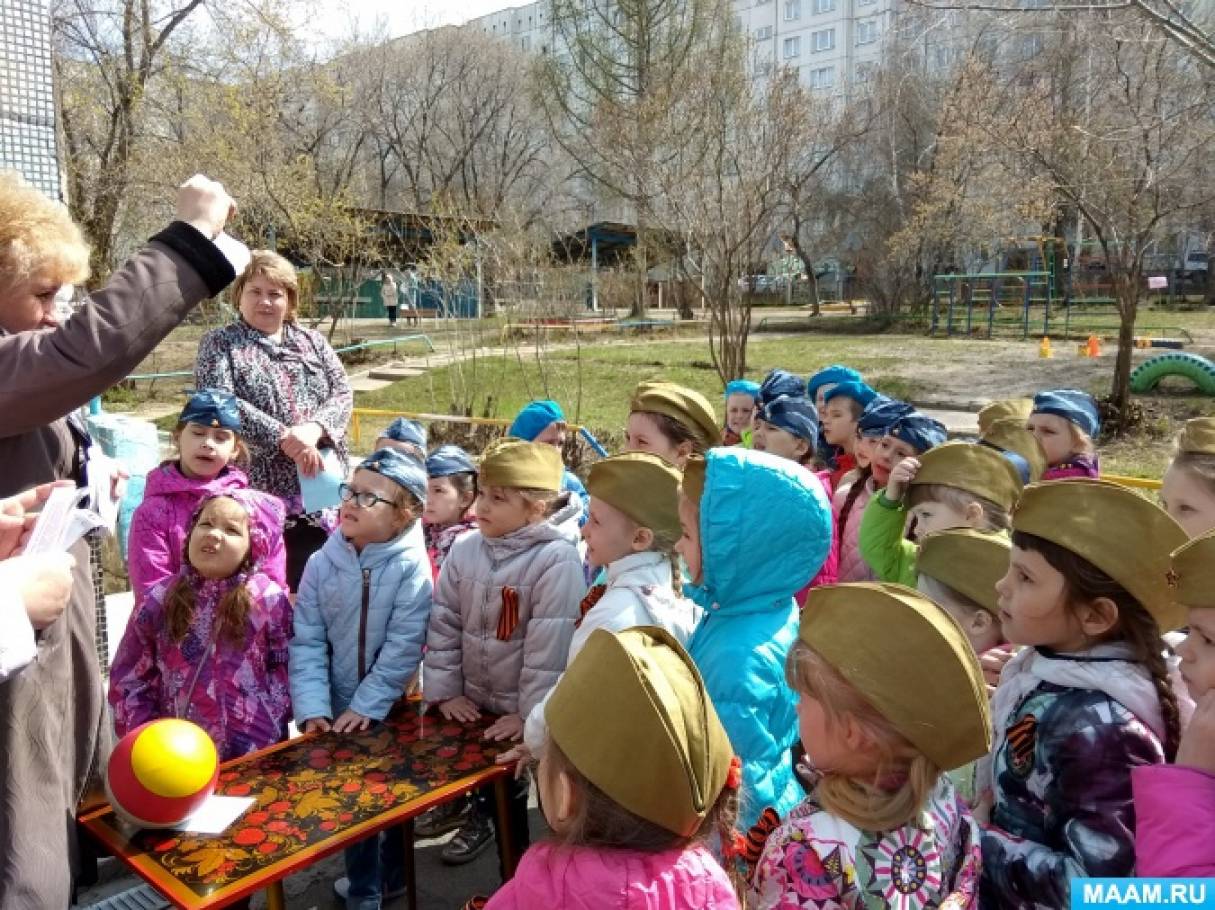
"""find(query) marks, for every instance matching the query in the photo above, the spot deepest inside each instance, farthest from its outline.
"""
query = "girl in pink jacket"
(632, 785)
(1172, 842)
(209, 446)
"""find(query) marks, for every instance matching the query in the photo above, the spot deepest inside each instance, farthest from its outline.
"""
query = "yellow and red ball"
(161, 772)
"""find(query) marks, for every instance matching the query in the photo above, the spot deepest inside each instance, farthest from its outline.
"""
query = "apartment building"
(28, 141)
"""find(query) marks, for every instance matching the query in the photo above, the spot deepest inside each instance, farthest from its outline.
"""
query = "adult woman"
(53, 728)
(295, 400)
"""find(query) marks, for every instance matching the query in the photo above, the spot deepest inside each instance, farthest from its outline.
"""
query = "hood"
(561, 525)
(342, 553)
(765, 529)
(167, 479)
(266, 516)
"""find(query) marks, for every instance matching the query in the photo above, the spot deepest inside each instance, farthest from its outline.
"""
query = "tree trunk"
(1120, 392)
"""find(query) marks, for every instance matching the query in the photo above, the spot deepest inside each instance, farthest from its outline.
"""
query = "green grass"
(500, 385)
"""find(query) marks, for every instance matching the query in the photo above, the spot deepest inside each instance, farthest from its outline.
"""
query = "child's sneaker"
(469, 842)
(438, 821)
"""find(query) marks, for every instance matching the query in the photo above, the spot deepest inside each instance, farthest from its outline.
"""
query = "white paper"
(216, 814)
(55, 522)
(101, 476)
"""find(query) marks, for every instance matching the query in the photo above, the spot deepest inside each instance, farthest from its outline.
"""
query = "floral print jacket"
(239, 694)
(815, 861)
(279, 385)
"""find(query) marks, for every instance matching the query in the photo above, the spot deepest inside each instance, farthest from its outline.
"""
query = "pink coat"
(829, 573)
(1171, 842)
(852, 566)
(584, 878)
(161, 522)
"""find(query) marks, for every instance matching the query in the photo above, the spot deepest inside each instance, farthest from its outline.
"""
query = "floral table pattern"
(313, 796)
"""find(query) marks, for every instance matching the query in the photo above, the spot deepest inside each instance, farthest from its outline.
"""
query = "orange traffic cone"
(1044, 348)
(1094, 346)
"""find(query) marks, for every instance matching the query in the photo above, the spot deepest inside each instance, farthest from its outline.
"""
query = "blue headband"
(794, 415)
(404, 430)
(212, 408)
(742, 387)
(833, 375)
(400, 468)
(534, 419)
(1072, 405)
(447, 460)
(880, 415)
(857, 391)
(920, 432)
(777, 383)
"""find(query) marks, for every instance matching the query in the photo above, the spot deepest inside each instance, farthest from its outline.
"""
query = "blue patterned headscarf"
(1072, 405)
(212, 408)
(919, 431)
(795, 415)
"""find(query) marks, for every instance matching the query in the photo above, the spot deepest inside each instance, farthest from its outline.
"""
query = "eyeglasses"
(364, 499)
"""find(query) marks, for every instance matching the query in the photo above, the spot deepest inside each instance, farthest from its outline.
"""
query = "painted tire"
(1194, 367)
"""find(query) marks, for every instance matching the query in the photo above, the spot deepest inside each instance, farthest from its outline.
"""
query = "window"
(866, 31)
(823, 6)
(823, 77)
(793, 47)
(865, 2)
(793, 10)
(823, 40)
(763, 33)
(525, 42)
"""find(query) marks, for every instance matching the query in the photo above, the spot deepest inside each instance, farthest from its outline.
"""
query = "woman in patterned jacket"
(295, 399)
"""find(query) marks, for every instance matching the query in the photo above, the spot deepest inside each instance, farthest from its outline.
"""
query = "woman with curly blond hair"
(54, 732)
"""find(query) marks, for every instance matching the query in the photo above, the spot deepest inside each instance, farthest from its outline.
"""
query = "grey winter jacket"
(360, 623)
(470, 649)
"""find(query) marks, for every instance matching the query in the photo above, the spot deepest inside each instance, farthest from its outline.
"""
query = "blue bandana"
(447, 460)
(920, 432)
(212, 408)
(534, 419)
(404, 430)
(857, 391)
(795, 415)
(400, 468)
(742, 387)
(1072, 405)
(778, 383)
(880, 415)
(832, 375)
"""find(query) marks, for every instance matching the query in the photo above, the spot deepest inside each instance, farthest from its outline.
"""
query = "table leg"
(411, 879)
(506, 846)
(275, 899)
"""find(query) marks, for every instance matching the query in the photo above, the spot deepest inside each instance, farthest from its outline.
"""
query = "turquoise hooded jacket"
(765, 531)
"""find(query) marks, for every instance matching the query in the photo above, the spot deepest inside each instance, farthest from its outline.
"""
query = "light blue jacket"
(765, 531)
(370, 607)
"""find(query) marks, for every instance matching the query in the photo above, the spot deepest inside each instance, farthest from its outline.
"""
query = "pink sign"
(1158, 282)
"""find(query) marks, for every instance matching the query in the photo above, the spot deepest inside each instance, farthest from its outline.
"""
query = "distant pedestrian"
(388, 295)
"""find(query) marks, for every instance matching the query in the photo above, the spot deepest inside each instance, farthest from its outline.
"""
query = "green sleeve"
(881, 542)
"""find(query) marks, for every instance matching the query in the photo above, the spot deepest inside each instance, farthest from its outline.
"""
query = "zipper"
(363, 623)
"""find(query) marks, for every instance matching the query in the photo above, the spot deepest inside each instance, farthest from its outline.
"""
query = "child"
(844, 404)
(451, 490)
(360, 623)
(1008, 434)
(958, 571)
(405, 435)
(969, 486)
(1172, 841)
(1065, 422)
(632, 532)
(822, 382)
(209, 644)
(1188, 490)
(882, 826)
(207, 437)
(756, 528)
(1017, 409)
(670, 421)
(788, 427)
(741, 398)
(633, 785)
(504, 614)
(849, 500)
(1088, 698)
(543, 421)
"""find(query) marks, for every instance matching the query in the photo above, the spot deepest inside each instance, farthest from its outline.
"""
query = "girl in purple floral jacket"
(210, 644)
